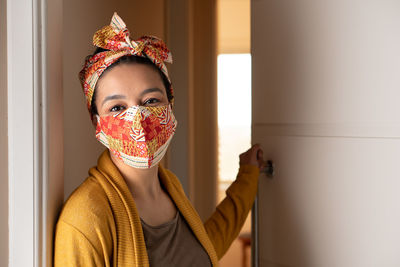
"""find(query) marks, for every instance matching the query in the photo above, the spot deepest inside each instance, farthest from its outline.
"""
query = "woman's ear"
(94, 120)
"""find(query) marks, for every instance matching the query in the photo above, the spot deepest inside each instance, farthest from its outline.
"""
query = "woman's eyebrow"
(112, 97)
(151, 90)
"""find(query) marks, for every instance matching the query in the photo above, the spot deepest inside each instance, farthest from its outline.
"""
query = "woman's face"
(129, 85)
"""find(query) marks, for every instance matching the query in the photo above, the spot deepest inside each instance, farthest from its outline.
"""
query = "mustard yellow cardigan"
(99, 224)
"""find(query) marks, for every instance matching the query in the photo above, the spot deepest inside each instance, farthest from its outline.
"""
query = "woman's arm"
(226, 222)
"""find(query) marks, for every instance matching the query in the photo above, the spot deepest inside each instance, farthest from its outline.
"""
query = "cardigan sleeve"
(225, 223)
(73, 248)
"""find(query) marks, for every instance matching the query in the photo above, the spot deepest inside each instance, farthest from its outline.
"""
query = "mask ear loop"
(95, 121)
(97, 117)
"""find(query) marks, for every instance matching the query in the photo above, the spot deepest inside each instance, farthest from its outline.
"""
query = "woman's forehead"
(129, 79)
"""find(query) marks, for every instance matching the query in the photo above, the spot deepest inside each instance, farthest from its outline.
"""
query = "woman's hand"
(253, 156)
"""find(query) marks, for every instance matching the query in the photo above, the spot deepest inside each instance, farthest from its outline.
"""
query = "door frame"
(34, 152)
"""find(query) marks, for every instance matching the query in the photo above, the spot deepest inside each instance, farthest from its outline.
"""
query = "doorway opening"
(234, 108)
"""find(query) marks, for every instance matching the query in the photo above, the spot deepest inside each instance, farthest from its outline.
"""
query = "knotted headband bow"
(115, 38)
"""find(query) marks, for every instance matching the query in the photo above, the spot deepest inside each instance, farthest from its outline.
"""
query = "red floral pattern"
(115, 38)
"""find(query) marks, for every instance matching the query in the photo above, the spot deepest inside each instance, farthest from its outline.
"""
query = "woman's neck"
(143, 183)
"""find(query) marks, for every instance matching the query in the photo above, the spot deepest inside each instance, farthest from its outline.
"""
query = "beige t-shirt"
(174, 244)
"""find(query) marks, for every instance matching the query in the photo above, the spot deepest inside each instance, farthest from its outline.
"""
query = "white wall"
(81, 20)
(3, 138)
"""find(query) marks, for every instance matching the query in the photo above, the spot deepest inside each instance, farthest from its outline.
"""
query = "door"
(326, 92)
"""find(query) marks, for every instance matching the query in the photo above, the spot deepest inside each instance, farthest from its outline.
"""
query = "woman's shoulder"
(85, 224)
(87, 206)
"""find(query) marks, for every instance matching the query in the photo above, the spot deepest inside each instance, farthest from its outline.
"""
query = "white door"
(326, 109)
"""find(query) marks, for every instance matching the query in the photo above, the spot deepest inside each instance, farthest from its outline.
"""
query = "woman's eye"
(151, 101)
(117, 108)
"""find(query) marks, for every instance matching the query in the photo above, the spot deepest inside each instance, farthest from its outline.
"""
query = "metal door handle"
(269, 169)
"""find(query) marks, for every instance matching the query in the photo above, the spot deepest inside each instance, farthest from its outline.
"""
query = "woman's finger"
(260, 154)
(260, 158)
(255, 147)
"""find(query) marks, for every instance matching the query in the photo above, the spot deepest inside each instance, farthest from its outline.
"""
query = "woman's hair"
(130, 59)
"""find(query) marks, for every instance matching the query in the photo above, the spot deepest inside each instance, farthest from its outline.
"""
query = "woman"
(131, 211)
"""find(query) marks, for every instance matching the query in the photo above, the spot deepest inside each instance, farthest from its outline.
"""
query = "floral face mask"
(139, 136)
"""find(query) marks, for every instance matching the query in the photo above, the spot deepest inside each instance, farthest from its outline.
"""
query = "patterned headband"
(115, 39)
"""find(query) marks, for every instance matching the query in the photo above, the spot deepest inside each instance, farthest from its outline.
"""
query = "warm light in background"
(234, 106)
(234, 112)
